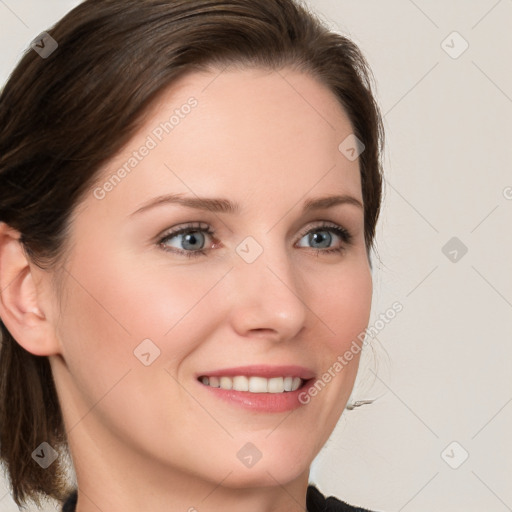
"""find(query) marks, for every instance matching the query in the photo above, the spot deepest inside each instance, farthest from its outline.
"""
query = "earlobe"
(20, 308)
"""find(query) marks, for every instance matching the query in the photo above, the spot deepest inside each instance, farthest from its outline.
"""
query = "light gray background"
(442, 369)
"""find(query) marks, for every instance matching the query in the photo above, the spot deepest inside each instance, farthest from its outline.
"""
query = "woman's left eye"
(190, 240)
(323, 235)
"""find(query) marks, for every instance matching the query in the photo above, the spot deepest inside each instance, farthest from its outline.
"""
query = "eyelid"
(188, 226)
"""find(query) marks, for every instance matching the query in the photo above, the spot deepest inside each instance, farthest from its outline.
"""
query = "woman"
(188, 199)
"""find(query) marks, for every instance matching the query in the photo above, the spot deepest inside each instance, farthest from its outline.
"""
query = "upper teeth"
(254, 384)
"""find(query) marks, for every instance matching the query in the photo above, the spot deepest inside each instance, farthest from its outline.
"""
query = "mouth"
(258, 388)
(254, 384)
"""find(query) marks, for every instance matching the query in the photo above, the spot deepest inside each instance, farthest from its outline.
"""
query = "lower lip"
(261, 402)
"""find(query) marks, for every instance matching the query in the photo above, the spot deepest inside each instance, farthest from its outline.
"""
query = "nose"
(268, 298)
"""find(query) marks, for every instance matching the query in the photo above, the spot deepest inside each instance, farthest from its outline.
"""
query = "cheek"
(344, 305)
(111, 308)
(115, 305)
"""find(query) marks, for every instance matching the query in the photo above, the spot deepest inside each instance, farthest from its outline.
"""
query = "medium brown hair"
(63, 117)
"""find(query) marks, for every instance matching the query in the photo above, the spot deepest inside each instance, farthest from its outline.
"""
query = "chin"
(265, 475)
(273, 461)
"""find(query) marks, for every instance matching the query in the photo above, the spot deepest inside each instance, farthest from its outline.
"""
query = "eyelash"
(343, 233)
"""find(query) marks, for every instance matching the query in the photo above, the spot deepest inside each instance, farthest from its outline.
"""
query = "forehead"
(223, 132)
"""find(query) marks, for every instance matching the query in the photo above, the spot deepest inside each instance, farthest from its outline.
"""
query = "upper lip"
(261, 371)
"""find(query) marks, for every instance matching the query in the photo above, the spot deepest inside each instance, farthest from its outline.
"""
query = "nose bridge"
(268, 289)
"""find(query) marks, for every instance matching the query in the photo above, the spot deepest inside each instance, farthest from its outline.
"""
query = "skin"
(151, 437)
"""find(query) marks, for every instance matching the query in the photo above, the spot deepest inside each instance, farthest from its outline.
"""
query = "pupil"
(191, 239)
(319, 238)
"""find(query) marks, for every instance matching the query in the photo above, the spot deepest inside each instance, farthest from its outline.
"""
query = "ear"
(22, 308)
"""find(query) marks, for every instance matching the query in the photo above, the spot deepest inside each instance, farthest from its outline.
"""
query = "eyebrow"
(220, 205)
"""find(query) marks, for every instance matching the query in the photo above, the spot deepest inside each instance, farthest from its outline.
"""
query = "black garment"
(315, 502)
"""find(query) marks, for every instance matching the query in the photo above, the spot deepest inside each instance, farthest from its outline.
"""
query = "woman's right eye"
(188, 240)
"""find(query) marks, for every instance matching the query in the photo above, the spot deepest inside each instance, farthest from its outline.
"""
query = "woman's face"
(232, 270)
